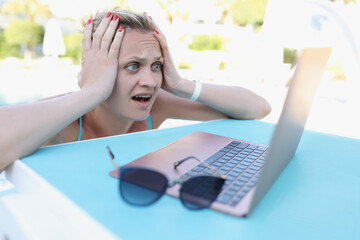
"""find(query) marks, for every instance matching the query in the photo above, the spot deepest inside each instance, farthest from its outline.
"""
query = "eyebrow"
(139, 59)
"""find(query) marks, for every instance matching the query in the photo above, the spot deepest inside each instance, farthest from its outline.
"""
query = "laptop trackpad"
(196, 145)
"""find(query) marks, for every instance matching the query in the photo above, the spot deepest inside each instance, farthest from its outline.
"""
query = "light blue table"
(316, 197)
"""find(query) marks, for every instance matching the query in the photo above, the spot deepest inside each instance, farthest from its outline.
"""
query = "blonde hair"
(128, 19)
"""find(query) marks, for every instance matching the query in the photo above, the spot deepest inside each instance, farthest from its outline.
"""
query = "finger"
(161, 39)
(86, 41)
(100, 31)
(158, 33)
(163, 45)
(109, 35)
(115, 45)
(154, 23)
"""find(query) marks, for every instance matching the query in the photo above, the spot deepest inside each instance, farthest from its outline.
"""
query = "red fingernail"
(147, 15)
(115, 18)
(88, 22)
(121, 28)
(156, 32)
(108, 14)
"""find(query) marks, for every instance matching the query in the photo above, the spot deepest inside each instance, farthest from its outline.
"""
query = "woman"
(128, 83)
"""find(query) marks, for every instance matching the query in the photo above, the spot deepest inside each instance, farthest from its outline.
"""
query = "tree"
(73, 43)
(7, 50)
(23, 32)
(25, 9)
(244, 12)
(167, 7)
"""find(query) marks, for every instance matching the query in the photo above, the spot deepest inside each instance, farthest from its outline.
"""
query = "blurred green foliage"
(73, 44)
(243, 12)
(345, 1)
(207, 42)
(184, 65)
(26, 9)
(289, 55)
(248, 12)
(20, 33)
(24, 32)
(222, 65)
(338, 72)
(7, 50)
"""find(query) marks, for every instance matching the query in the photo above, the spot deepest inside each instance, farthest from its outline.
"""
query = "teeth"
(142, 98)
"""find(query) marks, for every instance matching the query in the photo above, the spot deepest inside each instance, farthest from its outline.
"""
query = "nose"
(148, 79)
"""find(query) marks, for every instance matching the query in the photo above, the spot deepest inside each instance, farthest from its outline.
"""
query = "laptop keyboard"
(240, 162)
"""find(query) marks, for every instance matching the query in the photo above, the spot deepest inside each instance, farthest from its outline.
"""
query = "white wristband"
(197, 91)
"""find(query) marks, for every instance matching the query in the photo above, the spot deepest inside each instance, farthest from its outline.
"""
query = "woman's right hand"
(26, 127)
(100, 57)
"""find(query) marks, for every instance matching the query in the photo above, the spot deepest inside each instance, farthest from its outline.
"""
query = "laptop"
(250, 168)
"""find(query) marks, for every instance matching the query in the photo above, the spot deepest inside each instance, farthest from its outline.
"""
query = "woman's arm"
(239, 103)
(24, 128)
(227, 101)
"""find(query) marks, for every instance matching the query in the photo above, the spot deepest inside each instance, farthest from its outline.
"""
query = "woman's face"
(139, 75)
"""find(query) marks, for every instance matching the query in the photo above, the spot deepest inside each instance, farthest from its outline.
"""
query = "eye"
(156, 66)
(132, 67)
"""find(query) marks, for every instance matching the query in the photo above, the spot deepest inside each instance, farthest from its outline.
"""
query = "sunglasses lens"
(141, 187)
(200, 192)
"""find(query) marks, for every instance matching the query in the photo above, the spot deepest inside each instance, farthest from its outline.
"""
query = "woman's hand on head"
(172, 81)
(100, 57)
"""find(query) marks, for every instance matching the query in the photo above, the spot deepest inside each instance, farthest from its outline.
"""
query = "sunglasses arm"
(112, 157)
(178, 163)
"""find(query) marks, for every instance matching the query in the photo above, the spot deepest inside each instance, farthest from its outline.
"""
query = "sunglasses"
(143, 186)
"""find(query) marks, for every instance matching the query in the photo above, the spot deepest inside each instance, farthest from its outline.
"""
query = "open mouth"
(142, 98)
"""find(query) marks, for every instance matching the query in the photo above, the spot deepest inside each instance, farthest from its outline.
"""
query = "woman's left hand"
(172, 81)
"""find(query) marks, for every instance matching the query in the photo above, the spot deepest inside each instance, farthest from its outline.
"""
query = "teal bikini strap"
(80, 129)
(149, 122)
